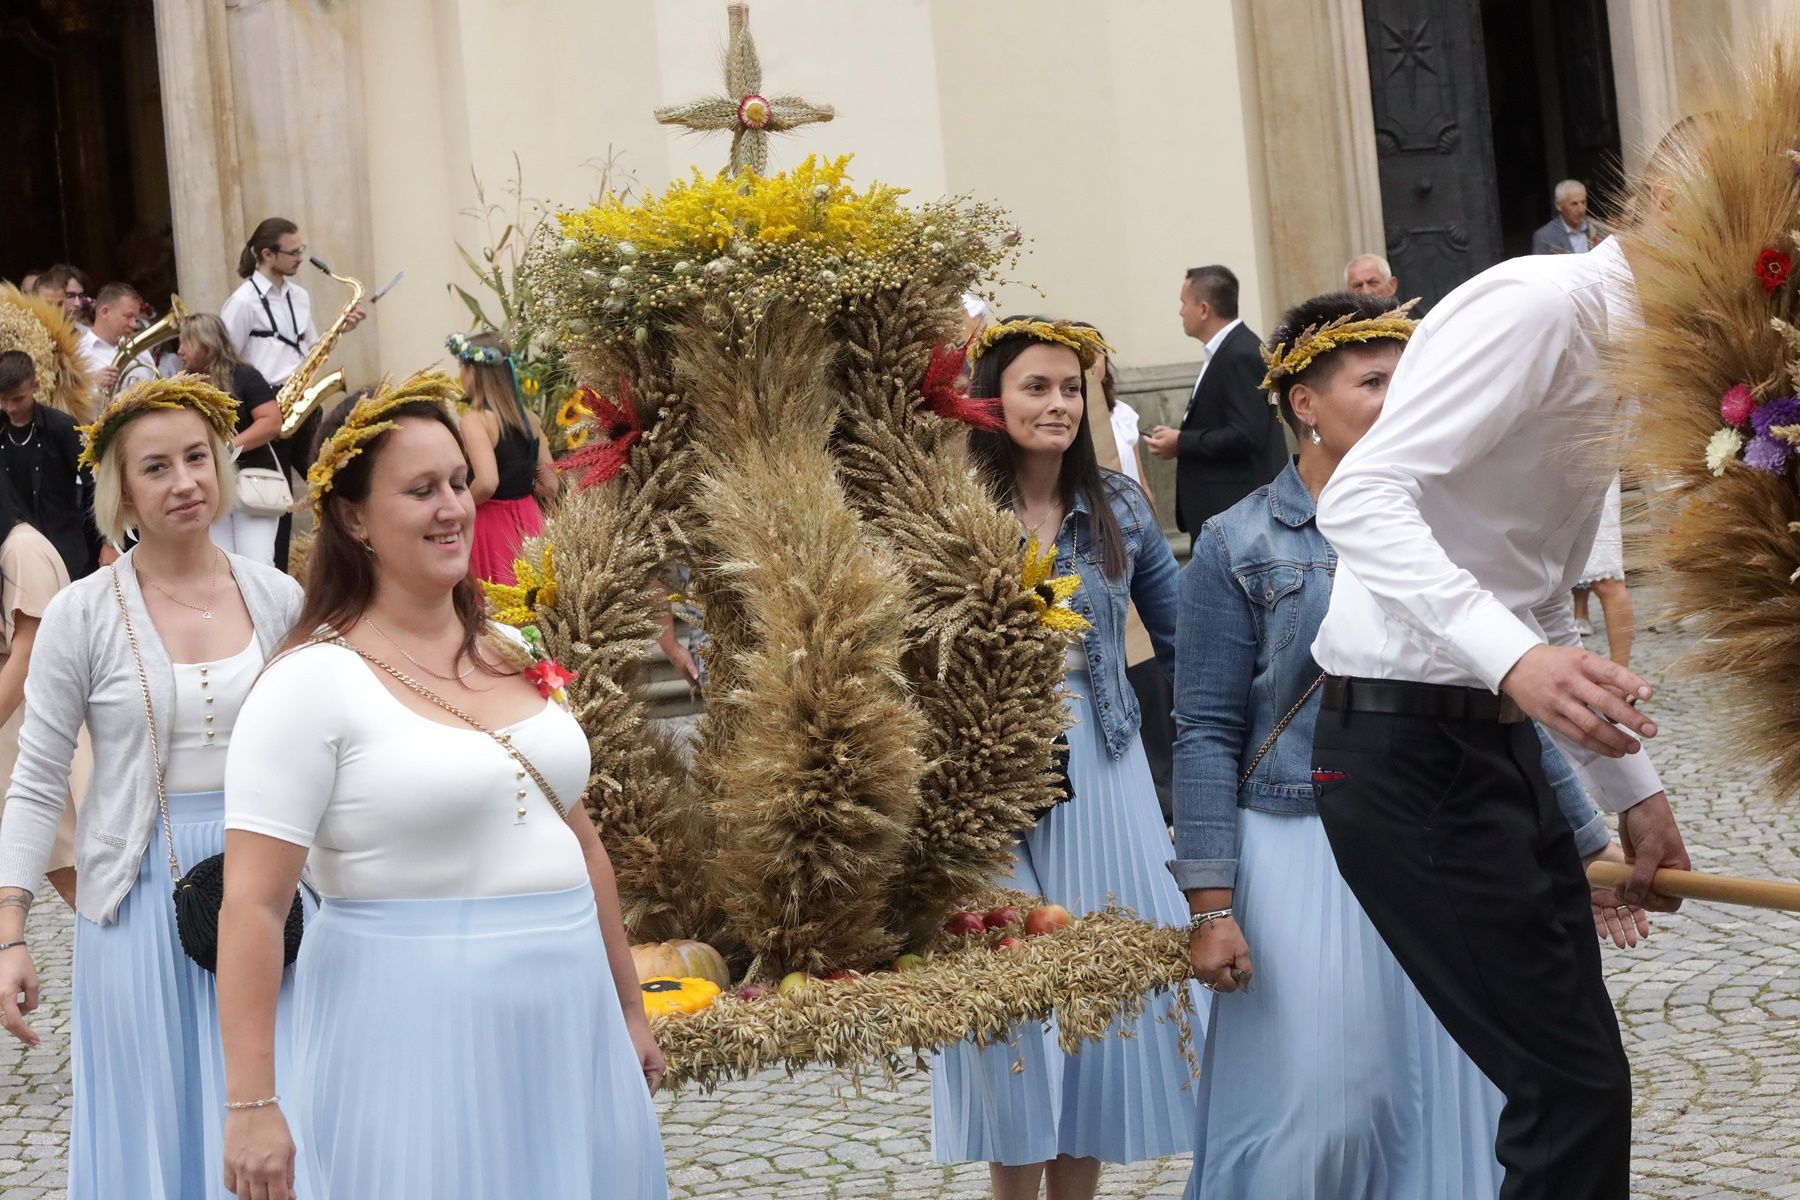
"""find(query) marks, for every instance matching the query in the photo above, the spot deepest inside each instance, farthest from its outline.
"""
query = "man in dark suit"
(1570, 231)
(1230, 442)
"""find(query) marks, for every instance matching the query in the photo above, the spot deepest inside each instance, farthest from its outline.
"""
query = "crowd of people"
(1368, 710)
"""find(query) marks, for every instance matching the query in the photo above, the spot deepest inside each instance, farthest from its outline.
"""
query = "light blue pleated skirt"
(469, 1049)
(148, 1073)
(1129, 1096)
(1331, 1078)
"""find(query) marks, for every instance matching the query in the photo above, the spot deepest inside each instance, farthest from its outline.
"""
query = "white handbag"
(262, 492)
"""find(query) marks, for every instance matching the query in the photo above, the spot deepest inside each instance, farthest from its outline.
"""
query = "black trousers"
(1156, 701)
(1450, 837)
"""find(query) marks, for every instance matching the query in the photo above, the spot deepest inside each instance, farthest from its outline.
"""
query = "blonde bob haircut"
(109, 479)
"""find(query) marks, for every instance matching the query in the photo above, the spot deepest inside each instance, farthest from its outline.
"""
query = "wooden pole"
(1696, 885)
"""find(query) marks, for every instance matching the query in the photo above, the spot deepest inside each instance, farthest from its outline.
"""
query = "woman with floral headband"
(509, 454)
(1331, 1077)
(155, 654)
(468, 1018)
(1057, 1118)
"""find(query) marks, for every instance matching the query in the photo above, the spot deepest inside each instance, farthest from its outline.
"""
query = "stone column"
(1643, 49)
(200, 133)
(1318, 142)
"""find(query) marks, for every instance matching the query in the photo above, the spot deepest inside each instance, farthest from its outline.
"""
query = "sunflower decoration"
(1050, 593)
(569, 415)
(517, 604)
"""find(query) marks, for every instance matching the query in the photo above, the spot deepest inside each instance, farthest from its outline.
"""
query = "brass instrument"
(298, 397)
(163, 329)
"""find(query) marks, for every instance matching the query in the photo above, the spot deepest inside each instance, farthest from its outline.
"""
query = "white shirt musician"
(269, 317)
(116, 311)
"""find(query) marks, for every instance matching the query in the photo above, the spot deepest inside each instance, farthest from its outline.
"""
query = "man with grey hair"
(1569, 231)
(1370, 275)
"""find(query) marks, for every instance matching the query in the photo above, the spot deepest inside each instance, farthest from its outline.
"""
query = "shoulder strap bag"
(1275, 733)
(200, 892)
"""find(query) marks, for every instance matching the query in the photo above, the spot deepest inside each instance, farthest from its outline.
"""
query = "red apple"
(1000, 918)
(965, 924)
(794, 981)
(1046, 918)
(909, 962)
(1008, 943)
(842, 976)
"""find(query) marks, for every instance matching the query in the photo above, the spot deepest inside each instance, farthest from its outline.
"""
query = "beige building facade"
(1131, 139)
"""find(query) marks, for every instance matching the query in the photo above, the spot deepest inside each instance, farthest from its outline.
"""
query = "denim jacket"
(1251, 600)
(1148, 582)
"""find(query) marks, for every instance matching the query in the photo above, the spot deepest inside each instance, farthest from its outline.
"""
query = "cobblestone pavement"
(1710, 1009)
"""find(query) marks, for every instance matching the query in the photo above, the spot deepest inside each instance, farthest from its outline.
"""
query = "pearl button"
(209, 718)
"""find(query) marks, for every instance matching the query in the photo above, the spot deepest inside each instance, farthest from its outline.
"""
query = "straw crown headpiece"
(1286, 361)
(195, 393)
(369, 420)
(1087, 343)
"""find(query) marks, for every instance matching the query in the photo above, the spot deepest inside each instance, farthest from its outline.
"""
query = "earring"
(1312, 434)
(370, 550)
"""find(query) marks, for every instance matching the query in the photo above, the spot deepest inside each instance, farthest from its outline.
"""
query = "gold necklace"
(415, 662)
(212, 586)
(1053, 519)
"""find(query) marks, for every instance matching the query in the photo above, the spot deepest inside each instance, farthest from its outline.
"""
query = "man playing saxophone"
(269, 316)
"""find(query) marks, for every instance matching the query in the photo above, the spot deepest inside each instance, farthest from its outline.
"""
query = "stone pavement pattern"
(1710, 1011)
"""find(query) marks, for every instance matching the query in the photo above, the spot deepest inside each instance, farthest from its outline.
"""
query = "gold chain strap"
(162, 798)
(504, 740)
(1269, 742)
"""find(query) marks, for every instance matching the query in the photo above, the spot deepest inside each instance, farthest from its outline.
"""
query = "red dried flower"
(1772, 269)
(617, 422)
(550, 677)
(944, 394)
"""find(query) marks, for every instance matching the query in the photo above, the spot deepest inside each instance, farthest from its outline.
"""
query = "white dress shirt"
(96, 355)
(270, 325)
(1212, 347)
(1462, 519)
(1125, 437)
(1578, 237)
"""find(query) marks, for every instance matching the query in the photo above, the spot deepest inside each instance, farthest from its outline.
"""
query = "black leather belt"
(1401, 698)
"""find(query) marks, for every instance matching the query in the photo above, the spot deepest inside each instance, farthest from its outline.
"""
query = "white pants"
(253, 537)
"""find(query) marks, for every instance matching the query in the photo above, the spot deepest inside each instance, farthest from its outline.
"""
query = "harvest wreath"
(884, 694)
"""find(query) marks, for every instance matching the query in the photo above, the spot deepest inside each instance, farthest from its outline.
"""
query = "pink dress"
(511, 514)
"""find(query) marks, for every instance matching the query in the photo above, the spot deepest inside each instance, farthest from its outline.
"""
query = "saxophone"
(297, 397)
(163, 329)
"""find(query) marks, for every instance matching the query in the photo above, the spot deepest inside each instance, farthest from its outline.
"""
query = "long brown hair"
(340, 571)
(208, 332)
(994, 452)
(495, 388)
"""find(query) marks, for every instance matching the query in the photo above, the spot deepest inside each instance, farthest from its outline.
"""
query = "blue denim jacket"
(1251, 600)
(1148, 582)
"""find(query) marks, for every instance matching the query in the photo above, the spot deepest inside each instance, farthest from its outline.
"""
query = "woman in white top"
(182, 622)
(468, 1020)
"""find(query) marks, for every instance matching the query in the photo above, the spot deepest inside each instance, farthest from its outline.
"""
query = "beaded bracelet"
(242, 1105)
(12, 945)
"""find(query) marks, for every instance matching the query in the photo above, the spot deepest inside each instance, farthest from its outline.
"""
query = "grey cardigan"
(82, 671)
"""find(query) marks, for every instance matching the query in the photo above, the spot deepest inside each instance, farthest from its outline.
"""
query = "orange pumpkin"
(682, 958)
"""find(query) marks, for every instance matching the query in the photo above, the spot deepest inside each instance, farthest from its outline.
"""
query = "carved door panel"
(1590, 107)
(1428, 81)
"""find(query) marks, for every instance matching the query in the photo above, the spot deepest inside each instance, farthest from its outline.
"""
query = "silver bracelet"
(1200, 921)
(12, 945)
(242, 1105)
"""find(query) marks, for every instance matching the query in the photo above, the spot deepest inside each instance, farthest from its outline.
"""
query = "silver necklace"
(30, 433)
(415, 662)
(205, 610)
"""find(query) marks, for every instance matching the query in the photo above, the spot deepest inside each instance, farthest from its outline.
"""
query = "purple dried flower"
(1783, 411)
(1767, 454)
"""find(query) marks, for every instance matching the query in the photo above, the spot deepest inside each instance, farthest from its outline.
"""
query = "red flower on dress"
(550, 677)
(945, 396)
(1772, 269)
(617, 422)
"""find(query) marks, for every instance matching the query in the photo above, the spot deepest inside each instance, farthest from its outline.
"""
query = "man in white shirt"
(117, 309)
(1455, 521)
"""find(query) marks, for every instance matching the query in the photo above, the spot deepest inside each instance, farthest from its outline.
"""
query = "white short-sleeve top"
(394, 805)
(208, 698)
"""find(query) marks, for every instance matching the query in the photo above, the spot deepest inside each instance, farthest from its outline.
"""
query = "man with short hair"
(117, 310)
(1569, 231)
(65, 285)
(1229, 443)
(39, 453)
(1370, 275)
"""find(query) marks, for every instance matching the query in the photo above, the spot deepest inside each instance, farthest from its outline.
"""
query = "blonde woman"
(180, 628)
(205, 349)
(513, 473)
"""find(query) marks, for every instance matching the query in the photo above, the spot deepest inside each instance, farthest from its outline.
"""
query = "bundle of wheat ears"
(884, 696)
(1714, 370)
